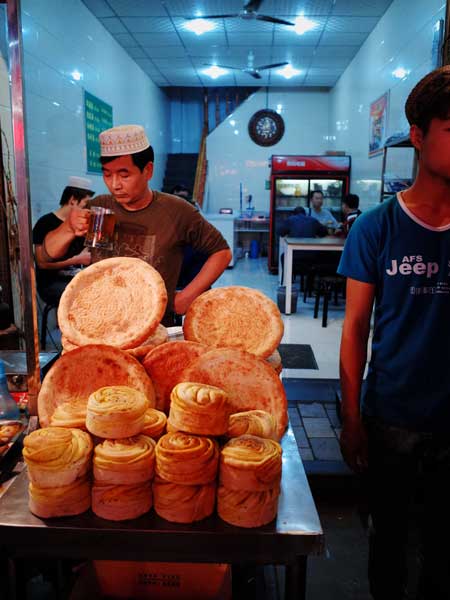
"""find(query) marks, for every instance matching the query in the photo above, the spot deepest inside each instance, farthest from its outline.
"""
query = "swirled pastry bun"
(199, 408)
(245, 508)
(69, 414)
(121, 502)
(183, 503)
(155, 423)
(116, 412)
(56, 456)
(250, 463)
(125, 461)
(252, 422)
(186, 459)
(60, 501)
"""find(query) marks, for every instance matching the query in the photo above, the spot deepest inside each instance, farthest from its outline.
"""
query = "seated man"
(301, 225)
(316, 210)
(350, 210)
(53, 276)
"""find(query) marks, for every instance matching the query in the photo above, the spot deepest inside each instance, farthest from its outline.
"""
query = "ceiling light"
(302, 25)
(400, 73)
(288, 71)
(279, 108)
(236, 132)
(76, 75)
(200, 26)
(214, 72)
(232, 122)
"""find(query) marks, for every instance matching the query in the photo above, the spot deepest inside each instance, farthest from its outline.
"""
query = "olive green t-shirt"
(158, 234)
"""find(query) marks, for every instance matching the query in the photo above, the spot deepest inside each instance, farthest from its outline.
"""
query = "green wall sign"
(98, 116)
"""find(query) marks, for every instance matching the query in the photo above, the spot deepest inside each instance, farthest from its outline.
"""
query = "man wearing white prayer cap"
(150, 225)
(53, 276)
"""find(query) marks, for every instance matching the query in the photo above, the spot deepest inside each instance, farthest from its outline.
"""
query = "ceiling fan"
(250, 11)
(250, 69)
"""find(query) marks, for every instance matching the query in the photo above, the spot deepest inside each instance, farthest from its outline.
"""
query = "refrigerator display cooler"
(293, 178)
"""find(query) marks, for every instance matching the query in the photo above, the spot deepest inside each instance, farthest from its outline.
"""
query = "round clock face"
(266, 127)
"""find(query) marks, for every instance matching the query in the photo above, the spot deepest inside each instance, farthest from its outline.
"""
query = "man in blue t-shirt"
(398, 257)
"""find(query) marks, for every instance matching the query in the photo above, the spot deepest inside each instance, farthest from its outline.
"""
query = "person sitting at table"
(52, 277)
(301, 225)
(316, 210)
(350, 210)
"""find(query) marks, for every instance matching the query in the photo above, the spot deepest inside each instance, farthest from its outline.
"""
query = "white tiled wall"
(5, 102)
(233, 158)
(59, 38)
(402, 38)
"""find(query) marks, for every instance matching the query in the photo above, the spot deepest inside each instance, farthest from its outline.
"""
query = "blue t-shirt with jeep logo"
(408, 382)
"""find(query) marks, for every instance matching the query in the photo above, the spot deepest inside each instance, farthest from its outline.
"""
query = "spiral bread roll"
(60, 501)
(121, 502)
(116, 412)
(247, 509)
(186, 459)
(250, 463)
(183, 503)
(198, 408)
(69, 414)
(125, 461)
(252, 422)
(56, 456)
(154, 423)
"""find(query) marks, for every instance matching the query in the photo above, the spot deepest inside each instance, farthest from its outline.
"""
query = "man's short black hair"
(429, 99)
(140, 159)
(312, 192)
(352, 201)
(77, 193)
(299, 210)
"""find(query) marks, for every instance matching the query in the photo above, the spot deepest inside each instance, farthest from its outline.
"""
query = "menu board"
(98, 116)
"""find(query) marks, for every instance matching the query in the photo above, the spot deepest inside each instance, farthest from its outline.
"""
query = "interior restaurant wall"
(233, 158)
(402, 38)
(5, 101)
(61, 38)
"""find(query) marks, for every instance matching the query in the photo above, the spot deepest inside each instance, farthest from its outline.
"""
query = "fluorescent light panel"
(214, 72)
(200, 26)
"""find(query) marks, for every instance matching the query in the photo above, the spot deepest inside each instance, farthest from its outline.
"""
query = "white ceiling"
(152, 33)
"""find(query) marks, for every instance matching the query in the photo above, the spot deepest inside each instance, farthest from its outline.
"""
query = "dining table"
(288, 245)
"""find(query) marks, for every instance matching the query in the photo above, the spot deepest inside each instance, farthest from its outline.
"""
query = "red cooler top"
(297, 164)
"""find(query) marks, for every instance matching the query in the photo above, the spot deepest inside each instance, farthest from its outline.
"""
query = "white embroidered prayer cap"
(82, 183)
(122, 140)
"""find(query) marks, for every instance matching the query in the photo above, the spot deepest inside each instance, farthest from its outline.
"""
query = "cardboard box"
(163, 581)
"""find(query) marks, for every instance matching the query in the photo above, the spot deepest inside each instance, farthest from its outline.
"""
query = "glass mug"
(100, 233)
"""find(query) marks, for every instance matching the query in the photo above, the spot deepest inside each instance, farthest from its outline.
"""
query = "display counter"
(294, 535)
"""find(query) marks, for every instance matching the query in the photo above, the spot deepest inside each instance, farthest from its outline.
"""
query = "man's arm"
(353, 357)
(84, 258)
(211, 270)
(57, 242)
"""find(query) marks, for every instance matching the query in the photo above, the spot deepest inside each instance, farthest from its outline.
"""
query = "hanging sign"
(98, 116)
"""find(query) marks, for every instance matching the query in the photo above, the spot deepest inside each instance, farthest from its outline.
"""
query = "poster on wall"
(378, 124)
(98, 116)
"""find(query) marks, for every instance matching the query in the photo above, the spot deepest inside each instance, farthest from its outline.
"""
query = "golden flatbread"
(164, 365)
(235, 317)
(251, 383)
(116, 301)
(78, 373)
(160, 336)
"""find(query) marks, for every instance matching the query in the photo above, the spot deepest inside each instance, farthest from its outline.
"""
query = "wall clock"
(266, 127)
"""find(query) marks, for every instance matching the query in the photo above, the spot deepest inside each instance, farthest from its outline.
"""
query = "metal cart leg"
(295, 580)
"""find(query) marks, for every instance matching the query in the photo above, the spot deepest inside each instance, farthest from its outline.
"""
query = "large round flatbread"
(116, 301)
(250, 382)
(78, 373)
(235, 317)
(160, 336)
(165, 363)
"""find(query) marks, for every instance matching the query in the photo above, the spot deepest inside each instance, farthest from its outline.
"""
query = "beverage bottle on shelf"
(8, 407)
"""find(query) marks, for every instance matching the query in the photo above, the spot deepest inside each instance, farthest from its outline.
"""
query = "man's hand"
(84, 258)
(182, 302)
(354, 445)
(78, 221)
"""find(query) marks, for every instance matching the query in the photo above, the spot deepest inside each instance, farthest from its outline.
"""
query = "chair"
(48, 306)
(327, 285)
